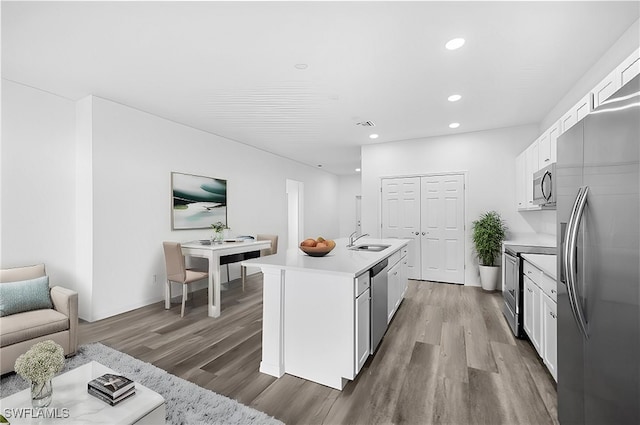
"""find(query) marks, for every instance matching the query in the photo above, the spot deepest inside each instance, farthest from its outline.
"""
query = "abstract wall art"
(197, 201)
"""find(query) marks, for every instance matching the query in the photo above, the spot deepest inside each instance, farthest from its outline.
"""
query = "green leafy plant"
(488, 233)
(41, 362)
(218, 227)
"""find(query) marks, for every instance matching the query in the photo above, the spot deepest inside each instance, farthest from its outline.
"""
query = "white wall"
(86, 190)
(487, 158)
(38, 182)
(350, 187)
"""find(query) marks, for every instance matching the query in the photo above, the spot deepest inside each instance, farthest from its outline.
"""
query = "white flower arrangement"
(41, 362)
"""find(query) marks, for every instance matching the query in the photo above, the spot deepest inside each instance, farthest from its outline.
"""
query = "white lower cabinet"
(532, 320)
(550, 335)
(397, 282)
(363, 328)
(540, 319)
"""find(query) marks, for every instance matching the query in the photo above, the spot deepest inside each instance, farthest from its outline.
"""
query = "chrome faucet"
(352, 240)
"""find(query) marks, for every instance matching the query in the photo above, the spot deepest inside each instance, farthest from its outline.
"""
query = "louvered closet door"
(401, 216)
(442, 228)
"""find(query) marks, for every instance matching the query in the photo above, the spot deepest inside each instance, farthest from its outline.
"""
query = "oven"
(512, 284)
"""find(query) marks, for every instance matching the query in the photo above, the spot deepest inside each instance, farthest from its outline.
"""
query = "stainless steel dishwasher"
(378, 303)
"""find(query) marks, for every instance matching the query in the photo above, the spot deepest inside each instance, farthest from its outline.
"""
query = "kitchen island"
(316, 312)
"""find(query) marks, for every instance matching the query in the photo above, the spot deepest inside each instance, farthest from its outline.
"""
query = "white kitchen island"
(316, 310)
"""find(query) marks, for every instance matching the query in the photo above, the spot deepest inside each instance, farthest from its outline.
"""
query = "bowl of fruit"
(317, 247)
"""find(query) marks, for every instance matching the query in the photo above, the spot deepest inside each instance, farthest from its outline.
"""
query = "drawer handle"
(528, 271)
(552, 315)
(553, 291)
(530, 290)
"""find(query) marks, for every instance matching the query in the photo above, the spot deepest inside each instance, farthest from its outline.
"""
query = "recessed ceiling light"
(319, 165)
(373, 136)
(357, 170)
(301, 66)
(454, 98)
(454, 125)
(454, 44)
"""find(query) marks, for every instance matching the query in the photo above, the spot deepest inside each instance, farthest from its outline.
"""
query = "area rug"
(186, 402)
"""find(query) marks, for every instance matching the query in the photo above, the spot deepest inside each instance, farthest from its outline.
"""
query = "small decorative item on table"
(111, 389)
(218, 229)
(317, 247)
(38, 365)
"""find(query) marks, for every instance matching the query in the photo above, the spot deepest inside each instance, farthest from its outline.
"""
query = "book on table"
(111, 401)
(111, 386)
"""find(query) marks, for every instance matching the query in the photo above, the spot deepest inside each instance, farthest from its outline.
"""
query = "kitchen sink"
(370, 247)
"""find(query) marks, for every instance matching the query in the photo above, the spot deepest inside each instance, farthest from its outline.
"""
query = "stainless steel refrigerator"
(598, 215)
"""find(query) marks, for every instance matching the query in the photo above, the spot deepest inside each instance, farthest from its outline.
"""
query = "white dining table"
(213, 252)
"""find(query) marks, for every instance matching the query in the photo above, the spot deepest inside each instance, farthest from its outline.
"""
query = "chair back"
(274, 244)
(174, 262)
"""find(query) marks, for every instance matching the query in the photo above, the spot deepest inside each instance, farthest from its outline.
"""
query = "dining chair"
(263, 252)
(177, 272)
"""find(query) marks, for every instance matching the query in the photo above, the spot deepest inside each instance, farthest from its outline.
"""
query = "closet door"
(401, 217)
(442, 228)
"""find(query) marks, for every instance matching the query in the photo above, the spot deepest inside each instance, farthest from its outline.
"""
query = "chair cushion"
(31, 324)
(24, 295)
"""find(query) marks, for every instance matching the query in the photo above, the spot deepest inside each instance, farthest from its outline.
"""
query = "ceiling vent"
(366, 123)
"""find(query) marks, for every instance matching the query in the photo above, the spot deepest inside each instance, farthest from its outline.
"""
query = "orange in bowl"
(321, 247)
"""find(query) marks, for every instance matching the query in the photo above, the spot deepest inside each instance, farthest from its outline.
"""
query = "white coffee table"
(70, 395)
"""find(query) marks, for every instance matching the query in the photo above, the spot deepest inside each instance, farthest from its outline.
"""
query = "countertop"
(546, 263)
(340, 260)
(532, 239)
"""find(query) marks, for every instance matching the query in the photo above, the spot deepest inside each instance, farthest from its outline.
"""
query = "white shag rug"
(186, 402)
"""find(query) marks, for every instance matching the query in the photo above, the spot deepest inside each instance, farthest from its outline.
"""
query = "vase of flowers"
(38, 365)
(218, 229)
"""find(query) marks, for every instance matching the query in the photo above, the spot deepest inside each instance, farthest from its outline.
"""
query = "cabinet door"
(629, 68)
(605, 88)
(554, 132)
(532, 311)
(531, 166)
(544, 150)
(550, 335)
(521, 194)
(363, 329)
(393, 290)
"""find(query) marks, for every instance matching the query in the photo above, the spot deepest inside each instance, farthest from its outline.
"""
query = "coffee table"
(70, 395)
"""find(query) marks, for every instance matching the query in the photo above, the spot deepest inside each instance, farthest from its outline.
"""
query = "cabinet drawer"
(531, 272)
(548, 286)
(361, 283)
(394, 258)
(403, 251)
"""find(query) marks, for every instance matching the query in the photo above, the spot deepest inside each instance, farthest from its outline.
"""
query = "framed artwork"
(197, 201)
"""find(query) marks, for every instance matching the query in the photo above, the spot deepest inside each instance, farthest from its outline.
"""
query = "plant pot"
(489, 277)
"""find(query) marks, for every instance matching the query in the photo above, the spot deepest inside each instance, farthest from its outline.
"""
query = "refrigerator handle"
(570, 260)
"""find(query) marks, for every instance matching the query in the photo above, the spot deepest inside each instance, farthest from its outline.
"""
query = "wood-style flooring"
(448, 358)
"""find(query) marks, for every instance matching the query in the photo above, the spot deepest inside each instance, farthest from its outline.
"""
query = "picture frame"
(197, 201)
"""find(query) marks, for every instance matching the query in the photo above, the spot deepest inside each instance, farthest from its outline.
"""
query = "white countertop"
(532, 239)
(546, 263)
(340, 260)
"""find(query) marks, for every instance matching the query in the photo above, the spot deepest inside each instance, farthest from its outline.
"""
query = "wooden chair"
(263, 252)
(178, 273)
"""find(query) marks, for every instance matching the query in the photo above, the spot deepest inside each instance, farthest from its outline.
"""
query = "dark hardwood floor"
(448, 358)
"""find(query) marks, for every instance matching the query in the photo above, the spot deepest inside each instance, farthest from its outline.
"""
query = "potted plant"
(488, 234)
(218, 229)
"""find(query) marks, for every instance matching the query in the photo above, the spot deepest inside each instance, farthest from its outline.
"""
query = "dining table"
(217, 254)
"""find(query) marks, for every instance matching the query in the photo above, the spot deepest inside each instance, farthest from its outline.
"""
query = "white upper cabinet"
(521, 191)
(576, 113)
(629, 68)
(548, 146)
(617, 78)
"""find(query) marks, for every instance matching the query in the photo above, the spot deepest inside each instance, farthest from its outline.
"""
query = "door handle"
(423, 233)
(417, 233)
(570, 258)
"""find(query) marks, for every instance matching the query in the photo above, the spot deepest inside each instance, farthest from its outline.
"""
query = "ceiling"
(229, 68)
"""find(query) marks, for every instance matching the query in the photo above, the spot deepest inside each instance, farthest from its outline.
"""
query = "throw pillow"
(24, 295)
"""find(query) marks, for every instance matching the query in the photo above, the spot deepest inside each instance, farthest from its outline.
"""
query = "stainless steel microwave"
(543, 187)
